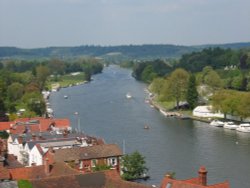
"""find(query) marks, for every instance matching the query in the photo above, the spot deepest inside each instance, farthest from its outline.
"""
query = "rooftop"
(88, 152)
(37, 124)
(104, 179)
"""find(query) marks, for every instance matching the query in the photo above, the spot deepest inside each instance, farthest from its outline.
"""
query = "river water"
(169, 145)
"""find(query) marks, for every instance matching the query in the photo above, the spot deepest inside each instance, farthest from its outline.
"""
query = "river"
(169, 145)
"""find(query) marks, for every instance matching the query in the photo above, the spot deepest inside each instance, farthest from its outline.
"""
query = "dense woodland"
(111, 53)
(200, 78)
(21, 82)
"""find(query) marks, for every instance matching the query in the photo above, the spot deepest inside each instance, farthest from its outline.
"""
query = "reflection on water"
(170, 145)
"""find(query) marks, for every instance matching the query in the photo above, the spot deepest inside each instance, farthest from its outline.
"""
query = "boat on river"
(230, 125)
(129, 96)
(217, 123)
(244, 127)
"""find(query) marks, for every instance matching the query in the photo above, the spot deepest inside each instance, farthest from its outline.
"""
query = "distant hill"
(111, 52)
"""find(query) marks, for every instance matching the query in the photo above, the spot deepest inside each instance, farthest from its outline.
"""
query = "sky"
(45, 23)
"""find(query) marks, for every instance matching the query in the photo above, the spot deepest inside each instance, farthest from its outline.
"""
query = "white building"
(206, 112)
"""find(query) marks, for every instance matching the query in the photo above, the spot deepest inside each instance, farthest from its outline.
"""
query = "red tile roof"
(38, 172)
(38, 124)
(104, 179)
(4, 173)
(4, 126)
(190, 184)
(34, 172)
(199, 182)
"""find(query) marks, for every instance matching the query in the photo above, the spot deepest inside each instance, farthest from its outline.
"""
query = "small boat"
(65, 96)
(129, 96)
(230, 125)
(217, 123)
(244, 127)
(146, 127)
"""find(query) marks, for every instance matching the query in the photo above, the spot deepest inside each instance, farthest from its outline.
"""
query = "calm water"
(170, 145)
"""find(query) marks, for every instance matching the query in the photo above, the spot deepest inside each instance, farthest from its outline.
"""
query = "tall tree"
(192, 94)
(133, 166)
(177, 85)
(42, 73)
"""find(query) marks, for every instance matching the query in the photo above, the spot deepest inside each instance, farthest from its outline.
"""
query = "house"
(21, 145)
(101, 179)
(35, 149)
(86, 158)
(206, 112)
(198, 182)
(37, 124)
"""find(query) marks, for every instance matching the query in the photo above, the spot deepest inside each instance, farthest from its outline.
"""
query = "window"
(112, 161)
(81, 165)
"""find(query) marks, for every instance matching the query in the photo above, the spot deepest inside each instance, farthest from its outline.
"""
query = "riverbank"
(180, 114)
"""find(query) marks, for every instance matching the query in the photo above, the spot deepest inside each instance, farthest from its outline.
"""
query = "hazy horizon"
(66, 23)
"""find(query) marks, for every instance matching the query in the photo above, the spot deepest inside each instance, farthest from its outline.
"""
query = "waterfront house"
(86, 158)
(198, 182)
(206, 112)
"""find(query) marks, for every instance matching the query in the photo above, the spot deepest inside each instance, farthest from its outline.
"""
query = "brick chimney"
(202, 176)
(46, 166)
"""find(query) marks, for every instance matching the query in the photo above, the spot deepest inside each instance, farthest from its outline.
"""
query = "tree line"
(21, 82)
(197, 76)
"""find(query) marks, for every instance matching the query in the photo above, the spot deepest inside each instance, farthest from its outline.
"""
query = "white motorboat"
(129, 96)
(230, 125)
(244, 127)
(217, 123)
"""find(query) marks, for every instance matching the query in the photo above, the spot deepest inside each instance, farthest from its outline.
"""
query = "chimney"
(33, 136)
(46, 166)
(202, 176)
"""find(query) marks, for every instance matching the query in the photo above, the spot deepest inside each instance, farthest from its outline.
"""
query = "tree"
(133, 166)
(15, 91)
(156, 85)
(42, 73)
(212, 79)
(243, 109)
(177, 85)
(35, 102)
(192, 94)
(3, 116)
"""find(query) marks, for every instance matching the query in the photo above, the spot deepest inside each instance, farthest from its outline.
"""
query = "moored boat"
(230, 125)
(244, 127)
(217, 123)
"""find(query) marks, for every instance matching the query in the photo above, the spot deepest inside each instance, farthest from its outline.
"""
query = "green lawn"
(24, 184)
(67, 80)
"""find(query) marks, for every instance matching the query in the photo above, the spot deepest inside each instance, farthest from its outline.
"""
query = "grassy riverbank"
(67, 80)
